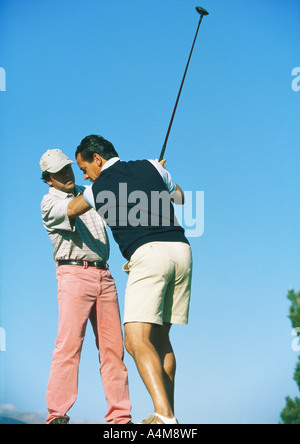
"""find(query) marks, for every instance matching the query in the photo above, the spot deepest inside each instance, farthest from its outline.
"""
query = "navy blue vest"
(132, 198)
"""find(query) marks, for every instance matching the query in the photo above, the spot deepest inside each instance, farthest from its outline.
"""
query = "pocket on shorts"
(126, 267)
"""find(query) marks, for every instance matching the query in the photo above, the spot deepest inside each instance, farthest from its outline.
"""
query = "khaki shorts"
(159, 284)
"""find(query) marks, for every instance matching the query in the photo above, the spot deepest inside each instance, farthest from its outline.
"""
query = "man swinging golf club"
(159, 261)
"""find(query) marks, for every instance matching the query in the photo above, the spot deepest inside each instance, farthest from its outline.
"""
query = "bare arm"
(77, 207)
(177, 197)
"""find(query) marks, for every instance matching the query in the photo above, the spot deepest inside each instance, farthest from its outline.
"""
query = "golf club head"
(201, 11)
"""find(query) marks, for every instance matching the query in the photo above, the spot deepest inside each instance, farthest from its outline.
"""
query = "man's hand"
(77, 207)
(162, 162)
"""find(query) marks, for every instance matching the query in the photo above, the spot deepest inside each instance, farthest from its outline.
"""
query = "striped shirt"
(83, 238)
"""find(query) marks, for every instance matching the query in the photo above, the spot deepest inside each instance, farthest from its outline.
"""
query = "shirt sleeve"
(88, 196)
(166, 176)
(55, 214)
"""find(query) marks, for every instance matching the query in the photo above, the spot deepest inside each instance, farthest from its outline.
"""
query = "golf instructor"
(86, 290)
(159, 262)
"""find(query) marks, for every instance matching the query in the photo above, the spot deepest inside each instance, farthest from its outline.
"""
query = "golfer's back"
(133, 199)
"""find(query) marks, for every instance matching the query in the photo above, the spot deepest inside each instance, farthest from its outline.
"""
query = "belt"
(97, 264)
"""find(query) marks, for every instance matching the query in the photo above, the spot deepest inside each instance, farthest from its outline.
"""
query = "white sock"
(167, 420)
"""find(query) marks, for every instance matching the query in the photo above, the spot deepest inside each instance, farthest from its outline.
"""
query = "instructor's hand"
(77, 207)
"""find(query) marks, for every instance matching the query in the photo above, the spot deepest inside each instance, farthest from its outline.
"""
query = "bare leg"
(161, 341)
(148, 362)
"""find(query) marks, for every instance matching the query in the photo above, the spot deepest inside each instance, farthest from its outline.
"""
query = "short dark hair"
(96, 144)
(45, 177)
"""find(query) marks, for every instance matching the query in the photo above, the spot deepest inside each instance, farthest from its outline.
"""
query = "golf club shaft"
(178, 97)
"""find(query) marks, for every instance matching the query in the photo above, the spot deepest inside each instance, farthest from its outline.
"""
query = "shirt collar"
(110, 163)
(63, 195)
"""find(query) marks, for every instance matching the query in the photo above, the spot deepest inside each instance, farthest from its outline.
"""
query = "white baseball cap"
(53, 161)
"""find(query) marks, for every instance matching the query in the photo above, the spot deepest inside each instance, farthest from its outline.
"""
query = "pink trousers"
(88, 293)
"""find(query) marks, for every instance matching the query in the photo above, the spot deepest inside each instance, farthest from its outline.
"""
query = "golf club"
(202, 13)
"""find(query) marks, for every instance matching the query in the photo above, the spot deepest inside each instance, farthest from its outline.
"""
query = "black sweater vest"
(132, 198)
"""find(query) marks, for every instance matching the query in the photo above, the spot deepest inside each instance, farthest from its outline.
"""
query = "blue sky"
(114, 68)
